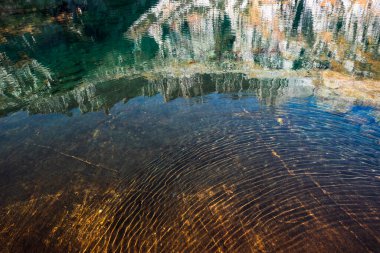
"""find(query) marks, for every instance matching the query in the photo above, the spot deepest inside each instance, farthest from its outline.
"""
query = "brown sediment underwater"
(223, 194)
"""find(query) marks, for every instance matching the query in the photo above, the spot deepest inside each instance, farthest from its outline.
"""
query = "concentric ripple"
(248, 185)
(293, 178)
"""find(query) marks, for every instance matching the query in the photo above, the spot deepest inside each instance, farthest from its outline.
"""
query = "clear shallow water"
(158, 131)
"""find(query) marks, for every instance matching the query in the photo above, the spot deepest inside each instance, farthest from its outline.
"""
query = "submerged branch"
(76, 158)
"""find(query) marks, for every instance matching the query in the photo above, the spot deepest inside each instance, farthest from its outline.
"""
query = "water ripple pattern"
(250, 184)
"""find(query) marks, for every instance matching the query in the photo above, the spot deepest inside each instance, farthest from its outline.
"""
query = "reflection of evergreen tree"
(307, 28)
(297, 17)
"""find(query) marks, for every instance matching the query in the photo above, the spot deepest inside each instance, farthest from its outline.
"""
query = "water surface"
(190, 126)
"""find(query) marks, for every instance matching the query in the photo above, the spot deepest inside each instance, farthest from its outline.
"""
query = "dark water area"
(190, 126)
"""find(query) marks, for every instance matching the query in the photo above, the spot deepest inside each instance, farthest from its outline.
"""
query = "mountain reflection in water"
(272, 34)
(331, 41)
(190, 126)
(105, 95)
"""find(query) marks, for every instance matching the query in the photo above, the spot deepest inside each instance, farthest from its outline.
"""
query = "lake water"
(190, 126)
